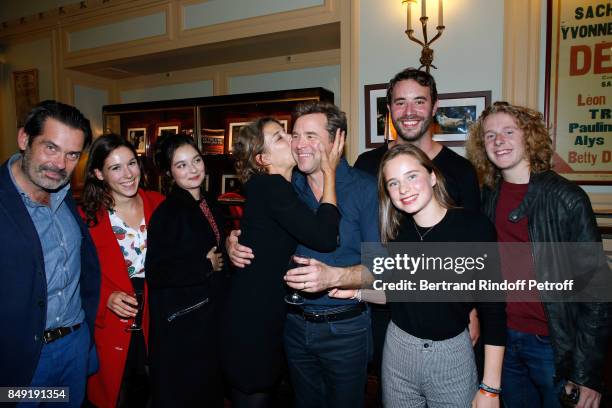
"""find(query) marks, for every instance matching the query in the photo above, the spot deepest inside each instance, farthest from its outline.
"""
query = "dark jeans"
(381, 316)
(328, 361)
(528, 372)
(64, 363)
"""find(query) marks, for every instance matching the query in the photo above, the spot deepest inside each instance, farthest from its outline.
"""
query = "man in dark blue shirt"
(328, 341)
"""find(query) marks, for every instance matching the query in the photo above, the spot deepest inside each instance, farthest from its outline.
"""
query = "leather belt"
(50, 336)
(323, 316)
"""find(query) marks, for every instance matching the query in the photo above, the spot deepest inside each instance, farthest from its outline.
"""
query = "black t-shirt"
(461, 180)
(441, 321)
(370, 161)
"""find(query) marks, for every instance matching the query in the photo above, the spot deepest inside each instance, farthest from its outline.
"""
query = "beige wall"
(16, 57)
(468, 55)
(492, 45)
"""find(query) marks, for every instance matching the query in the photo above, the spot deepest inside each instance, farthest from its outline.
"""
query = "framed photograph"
(578, 84)
(212, 140)
(25, 85)
(376, 113)
(138, 138)
(234, 129)
(167, 128)
(230, 183)
(456, 112)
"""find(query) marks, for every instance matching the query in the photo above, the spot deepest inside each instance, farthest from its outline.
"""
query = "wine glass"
(295, 298)
(136, 323)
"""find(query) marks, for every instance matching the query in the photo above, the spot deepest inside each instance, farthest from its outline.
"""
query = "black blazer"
(23, 285)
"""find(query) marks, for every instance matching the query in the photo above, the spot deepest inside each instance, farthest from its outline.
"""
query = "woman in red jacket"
(117, 212)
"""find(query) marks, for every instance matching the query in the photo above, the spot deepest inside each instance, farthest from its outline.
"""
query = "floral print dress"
(133, 244)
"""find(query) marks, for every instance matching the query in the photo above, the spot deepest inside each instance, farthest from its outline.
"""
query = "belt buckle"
(315, 317)
(49, 336)
(320, 317)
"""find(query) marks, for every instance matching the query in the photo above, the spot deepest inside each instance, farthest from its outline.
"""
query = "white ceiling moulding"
(207, 13)
(49, 19)
(248, 23)
(118, 32)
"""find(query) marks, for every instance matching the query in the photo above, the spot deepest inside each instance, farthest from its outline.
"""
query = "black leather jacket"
(557, 210)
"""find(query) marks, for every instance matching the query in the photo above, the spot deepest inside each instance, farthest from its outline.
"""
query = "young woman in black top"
(428, 357)
(185, 278)
(274, 221)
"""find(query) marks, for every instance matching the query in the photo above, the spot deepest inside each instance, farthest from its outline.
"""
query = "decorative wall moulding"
(83, 10)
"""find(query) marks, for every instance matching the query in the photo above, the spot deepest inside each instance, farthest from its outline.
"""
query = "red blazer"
(112, 341)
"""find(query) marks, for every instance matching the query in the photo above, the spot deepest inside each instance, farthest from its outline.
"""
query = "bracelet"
(492, 390)
(357, 295)
(488, 394)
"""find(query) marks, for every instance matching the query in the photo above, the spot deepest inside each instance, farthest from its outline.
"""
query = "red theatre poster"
(579, 88)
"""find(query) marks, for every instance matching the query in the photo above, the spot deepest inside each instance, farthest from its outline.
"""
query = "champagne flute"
(136, 323)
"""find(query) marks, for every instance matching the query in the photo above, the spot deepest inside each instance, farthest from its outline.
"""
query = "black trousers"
(135, 388)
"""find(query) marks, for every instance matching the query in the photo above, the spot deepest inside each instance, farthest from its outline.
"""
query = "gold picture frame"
(25, 84)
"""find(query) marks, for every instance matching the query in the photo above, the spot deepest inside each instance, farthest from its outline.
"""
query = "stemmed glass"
(136, 323)
(295, 298)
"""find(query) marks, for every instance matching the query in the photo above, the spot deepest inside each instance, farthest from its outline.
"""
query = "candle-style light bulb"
(440, 22)
(423, 6)
(408, 16)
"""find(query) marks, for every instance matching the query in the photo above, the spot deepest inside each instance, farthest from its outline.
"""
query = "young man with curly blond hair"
(552, 347)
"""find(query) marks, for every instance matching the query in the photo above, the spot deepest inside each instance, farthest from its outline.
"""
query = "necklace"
(416, 228)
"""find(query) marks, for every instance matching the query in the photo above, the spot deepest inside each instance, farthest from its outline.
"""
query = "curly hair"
(390, 217)
(247, 146)
(538, 144)
(95, 192)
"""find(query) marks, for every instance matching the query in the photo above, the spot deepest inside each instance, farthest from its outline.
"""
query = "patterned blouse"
(133, 244)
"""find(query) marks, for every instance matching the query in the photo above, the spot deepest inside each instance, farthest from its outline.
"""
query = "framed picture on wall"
(25, 85)
(230, 183)
(285, 123)
(167, 128)
(376, 113)
(212, 140)
(456, 112)
(138, 138)
(234, 129)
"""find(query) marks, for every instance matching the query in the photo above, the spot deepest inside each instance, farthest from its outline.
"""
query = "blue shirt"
(358, 203)
(60, 239)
